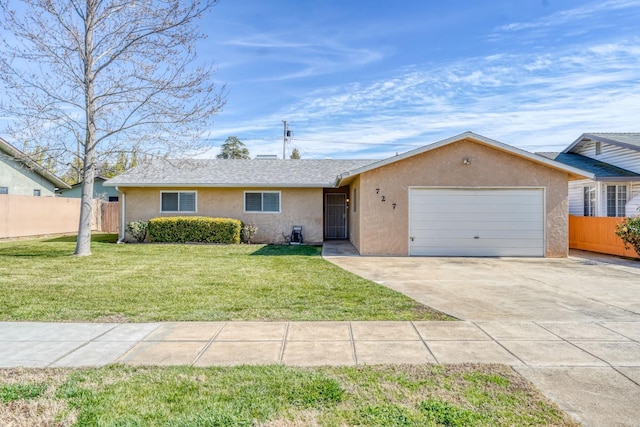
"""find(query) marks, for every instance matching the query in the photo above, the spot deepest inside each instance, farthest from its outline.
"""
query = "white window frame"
(589, 207)
(620, 211)
(262, 211)
(178, 192)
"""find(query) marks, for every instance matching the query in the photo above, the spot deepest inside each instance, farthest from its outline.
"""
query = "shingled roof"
(601, 170)
(291, 173)
(236, 173)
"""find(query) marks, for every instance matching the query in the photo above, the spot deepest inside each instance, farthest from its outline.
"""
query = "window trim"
(178, 192)
(589, 209)
(620, 211)
(262, 211)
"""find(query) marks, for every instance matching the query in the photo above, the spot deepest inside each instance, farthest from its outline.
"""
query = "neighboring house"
(21, 176)
(108, 194)
(614, 160)
(465, 195)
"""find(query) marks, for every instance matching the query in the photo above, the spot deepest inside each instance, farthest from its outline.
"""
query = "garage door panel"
(477, 217)
(481, 252)
(488, 209)
(475, 243)
(515, 234)
(476, 222)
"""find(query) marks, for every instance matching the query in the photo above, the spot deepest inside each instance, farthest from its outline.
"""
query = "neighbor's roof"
(573, 171)
(236, 173)
(95, 179)
(19, 156)
(630, 140)
(602, 171)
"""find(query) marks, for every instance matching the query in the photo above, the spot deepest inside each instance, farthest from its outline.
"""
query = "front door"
(335, 216)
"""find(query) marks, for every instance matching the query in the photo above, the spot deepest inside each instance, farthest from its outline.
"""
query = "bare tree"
(89, 78)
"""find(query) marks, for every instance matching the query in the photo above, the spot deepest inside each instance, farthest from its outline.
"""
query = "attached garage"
(463, 196)
(476, 222)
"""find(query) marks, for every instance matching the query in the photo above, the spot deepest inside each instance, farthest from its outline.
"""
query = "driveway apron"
(572, 325)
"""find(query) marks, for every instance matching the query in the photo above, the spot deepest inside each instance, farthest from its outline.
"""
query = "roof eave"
(215, 185)
(617, 178)
(21, 157)
(591, 136)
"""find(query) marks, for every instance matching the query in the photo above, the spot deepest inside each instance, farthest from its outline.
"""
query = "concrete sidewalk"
(591, 369)
(519, 344)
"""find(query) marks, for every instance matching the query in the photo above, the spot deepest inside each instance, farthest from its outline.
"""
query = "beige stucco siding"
(383, 230)
(355, 211)
(298, 206)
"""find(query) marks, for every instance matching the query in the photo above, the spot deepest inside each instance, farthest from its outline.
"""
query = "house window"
(590, 201)
(113, 198)
(616, 200)
(178, 201)
(4, 190)
(37, 192)
(264, 201)
(598, 148)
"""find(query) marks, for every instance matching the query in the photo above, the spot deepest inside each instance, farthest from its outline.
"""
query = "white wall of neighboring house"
(633, 203)
(614, 155)
(576, 197)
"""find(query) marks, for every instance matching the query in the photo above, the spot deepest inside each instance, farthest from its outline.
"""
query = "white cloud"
(571, 15)
(304, 57)
(536, 102)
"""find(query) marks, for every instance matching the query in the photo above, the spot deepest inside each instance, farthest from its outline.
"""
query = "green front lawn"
(40, 280)
(275, 396)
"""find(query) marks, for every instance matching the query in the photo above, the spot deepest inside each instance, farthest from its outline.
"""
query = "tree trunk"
(83, 242)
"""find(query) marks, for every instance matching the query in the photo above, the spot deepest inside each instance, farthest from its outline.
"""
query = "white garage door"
(476, 222)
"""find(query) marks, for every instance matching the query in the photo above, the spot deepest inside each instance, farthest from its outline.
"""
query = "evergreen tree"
(233, 148)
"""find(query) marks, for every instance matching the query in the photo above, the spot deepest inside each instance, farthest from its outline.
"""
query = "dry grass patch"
(281, 396)
(28, 398)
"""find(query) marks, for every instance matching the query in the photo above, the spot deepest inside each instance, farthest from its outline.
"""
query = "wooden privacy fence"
(110, 222)
(597, 234)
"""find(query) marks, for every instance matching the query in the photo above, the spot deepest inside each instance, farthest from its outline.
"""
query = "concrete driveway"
(590, 303)
(536, 289)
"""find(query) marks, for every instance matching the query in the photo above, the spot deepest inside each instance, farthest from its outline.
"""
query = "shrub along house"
(463, 196)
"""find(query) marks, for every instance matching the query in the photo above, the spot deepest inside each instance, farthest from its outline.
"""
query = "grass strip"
(277, 395)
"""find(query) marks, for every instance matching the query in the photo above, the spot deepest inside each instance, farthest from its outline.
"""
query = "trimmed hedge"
(194, 229)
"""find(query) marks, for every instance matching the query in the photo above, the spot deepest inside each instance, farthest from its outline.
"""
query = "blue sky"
(367, 79)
